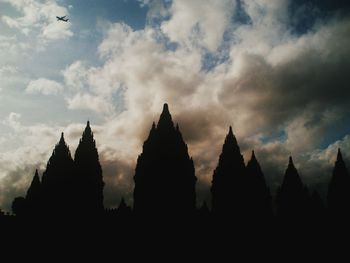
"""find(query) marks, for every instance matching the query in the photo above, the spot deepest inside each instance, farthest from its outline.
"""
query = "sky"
(277, 71)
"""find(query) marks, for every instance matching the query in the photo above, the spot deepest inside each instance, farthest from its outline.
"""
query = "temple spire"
(338, 189)
(253, 158)
(164, 175)
(228, 179)
(258, 194)
(291, 174)
(292, 196)
(34, 188)
(62, 139)
(166, 108)
(88, 134)
(291, 164)
(165, 120)
(57, 188)
(339, 156)
(231, 138)
(89, 185)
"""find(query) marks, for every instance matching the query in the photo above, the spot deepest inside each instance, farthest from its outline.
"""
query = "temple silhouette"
(165, 185)
(164, 177)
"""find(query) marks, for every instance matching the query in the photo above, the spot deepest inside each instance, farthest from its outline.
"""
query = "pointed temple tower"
(58, 182)
(89, 173)
(259, 198)
(292, 197)
(339, 189)
(165, 176)
(33, 197)
(228, 184)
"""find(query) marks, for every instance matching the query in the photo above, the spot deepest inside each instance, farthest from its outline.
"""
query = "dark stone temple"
(33, 197)
(258, 193)
(165, 176)
(71, 190)
(338, 190)
(89, 173)
(229, 180)
(292, 197)
(59, 183)
(68, 187)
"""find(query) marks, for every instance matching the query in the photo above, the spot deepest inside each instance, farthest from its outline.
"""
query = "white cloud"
(11, 46)
(55, 31)
(118, 37)
(44, 86)
(8, 70)
(7, 73)
(13, 121)
(89, 102)
(39, 16)
(75, 76)
(199, 22)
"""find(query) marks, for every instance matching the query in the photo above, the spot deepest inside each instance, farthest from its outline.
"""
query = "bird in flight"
(62, 18)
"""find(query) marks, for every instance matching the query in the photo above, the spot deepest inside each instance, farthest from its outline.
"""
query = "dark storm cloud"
(314, 79)
(305, 13)
(196, 125)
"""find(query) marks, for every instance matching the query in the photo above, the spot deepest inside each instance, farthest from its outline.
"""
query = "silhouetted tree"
(58, 182)
(339, 189)
(259, 198)
(229, 181)
(33, 197)
(88, 170)
(292, 197)
(165, 176)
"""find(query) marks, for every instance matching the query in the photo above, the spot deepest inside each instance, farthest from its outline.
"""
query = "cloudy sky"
(276, 70)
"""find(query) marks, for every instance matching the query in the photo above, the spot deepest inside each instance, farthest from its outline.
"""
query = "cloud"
(10, 46)
(88, 88)
(76, 76)
(306, 81)
(198, 23)
(12, 120)
(44, 86)
(55, 31)
(282, 92)
(8, 70)
(39, 16)
(272, 81)
(118, 37)
(89, 102)
(7, 74)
